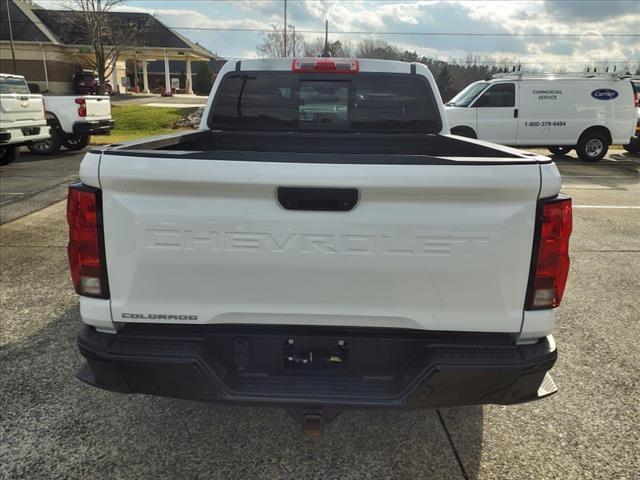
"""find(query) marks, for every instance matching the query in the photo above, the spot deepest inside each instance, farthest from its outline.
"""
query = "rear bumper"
(95, 127)
(381, 368)
(24, 135)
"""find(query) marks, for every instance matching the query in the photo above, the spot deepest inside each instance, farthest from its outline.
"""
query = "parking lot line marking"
(623, 207)
(597, 176)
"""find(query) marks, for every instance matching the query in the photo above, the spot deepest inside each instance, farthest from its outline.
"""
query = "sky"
(590, 24)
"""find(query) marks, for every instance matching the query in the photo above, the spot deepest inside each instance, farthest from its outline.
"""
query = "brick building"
(48, 52)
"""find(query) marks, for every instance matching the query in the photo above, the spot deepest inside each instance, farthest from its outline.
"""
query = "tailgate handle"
(318, 199)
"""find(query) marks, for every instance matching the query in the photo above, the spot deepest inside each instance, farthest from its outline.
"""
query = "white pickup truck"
(320, 243)
(73, 119)
(22, 118)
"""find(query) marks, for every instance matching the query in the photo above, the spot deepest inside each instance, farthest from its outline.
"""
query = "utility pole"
(284, 30)
(326, 35)
(293, 41)
(325, 52)
(13, 50)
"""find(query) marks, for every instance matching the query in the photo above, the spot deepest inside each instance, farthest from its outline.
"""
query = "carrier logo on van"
(604, 94)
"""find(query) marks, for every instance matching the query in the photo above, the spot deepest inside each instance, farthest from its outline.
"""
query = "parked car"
(73, 120)
(22, 118)
(85, 82)
(634, 144)
(588, 113)
(338, 251)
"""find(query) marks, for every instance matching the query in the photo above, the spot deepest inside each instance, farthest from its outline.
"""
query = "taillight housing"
(86, 241)
(550, 262)
(325, 65)
(82, 107)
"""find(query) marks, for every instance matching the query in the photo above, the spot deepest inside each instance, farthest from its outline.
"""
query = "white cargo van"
(587, 113)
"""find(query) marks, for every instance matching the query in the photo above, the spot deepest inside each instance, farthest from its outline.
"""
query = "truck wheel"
(592, 147)
(76, 142)
(559, 150)
(49, 146)
(8, 154)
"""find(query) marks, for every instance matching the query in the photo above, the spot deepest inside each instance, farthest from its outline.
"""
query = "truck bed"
(202, 222)
(400, 149)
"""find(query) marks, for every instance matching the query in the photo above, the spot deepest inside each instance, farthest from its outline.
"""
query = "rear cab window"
(378, 102)
(9, 85)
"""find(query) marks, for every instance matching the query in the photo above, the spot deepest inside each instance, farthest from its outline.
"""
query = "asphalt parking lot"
(52, 426)
(34, 182)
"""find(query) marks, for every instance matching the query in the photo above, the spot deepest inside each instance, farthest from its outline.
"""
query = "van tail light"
(82, 107)
(325, 65)
(86, 241)
(637, 99)
(550, 262)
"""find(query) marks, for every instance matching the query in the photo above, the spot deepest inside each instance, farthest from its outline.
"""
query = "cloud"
(507, 18)
(571, 11)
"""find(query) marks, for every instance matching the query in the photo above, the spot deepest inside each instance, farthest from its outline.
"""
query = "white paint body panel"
(435, 247)
(428, 247)
(570, 111)
(65, 108)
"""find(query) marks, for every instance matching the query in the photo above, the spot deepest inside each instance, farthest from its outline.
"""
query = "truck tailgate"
(17, 110)
(439, 247)
(98, 107)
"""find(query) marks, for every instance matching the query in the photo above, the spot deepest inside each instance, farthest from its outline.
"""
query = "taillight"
(82, 107)
(86, 241)
(637, 98)
(550, 264)
(325, 65)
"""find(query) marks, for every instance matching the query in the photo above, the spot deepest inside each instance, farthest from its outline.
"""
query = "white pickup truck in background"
(73, 119)
(22, 117)
(320, 243)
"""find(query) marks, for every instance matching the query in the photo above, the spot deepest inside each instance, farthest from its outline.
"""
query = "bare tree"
(375, 48)
(93, 23)
(339, 48)
(272, 43)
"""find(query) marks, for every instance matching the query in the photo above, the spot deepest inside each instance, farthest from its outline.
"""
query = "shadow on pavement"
(57, 427)
(465, 427)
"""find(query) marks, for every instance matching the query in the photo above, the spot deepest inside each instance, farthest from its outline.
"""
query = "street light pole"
(13, 50)
(284, 31)
(293, 41)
